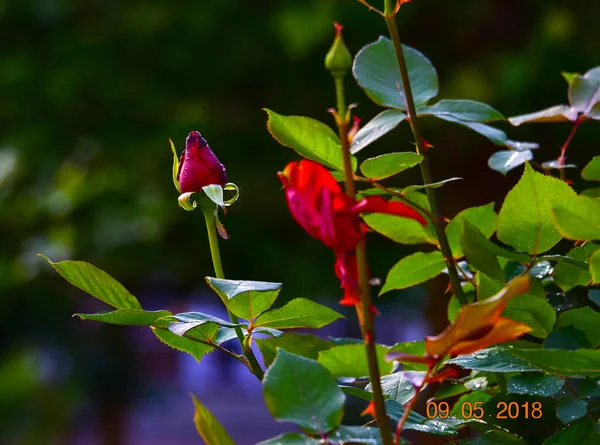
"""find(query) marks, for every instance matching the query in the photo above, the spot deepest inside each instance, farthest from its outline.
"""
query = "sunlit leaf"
(506, 160)
(209, 428)
(129, 317)
(591, 172)
(558, 113)
(298, 313)
(577, 218)
(351, 360)
(380, 125)
(414, 269)
(466, 110)
(389, 164)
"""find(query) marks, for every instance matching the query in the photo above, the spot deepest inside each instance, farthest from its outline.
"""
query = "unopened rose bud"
(199, 166)
(338, 60)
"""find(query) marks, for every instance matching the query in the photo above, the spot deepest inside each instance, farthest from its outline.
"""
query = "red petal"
(346, 270)
(376, 204)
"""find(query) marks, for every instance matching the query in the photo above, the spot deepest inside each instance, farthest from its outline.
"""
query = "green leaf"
(189, 320)
(592, 193)
(300, 390)
(298, 313)
(524, 222)
(389, 164)
(402, 230)
(411, 348)
(535, 384)
(185, 344)
(175, 166)
(569, 77)
(214, 192)
(495, 437)
(506, 160)
(570, 408)
(486, 287)
(95, 282)
(466, 110)
(356, 435)
(397, 387)
(568, 275)
(493, 360)
(432, 185)
(309, 137)
(209, 428)
(586, 320)
(414, 269)
(127, 317)
(577, 218)
(595, 267)
(475, 247)
(582, 362)
(466, 402)
(351, 360)
(417, 422)
(498, 137)
(535, 312)
(291, 439)
(568, 338)
(380, 125)
(376, 71)
(557, 113)
(575, 433)
(482, 217)
(591, 172)
(303, 345)
(584, 91)
(246, 299)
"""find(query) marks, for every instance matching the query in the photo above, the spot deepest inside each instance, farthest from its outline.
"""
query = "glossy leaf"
(524, 221)
(506, 160)
(474, 245)
(303, 345)
(497, 137)
(128, 317)
(595, 267)
(582, 362)
(536, 384)
(185, 344)
(575, 433)
(570, 408)
(246, 299)
(302, 391)
(535, 312)
(397, 387)
(376, 70)
(495, 359)
(175, 167)
(403, 230)
(584, 91)
(209, 428)
(355, 435)
(586, 320)
(466, 110)
(483, 218)
(389, 164)
(414, 269)
(351, 361)
(298, 313)
(291, 439)
(568, 275)
(380, 125)
(187, 321)
(577, 218)
(557, 113)
(309, 137)
(96, 282)
(495, 437)
(591, 172)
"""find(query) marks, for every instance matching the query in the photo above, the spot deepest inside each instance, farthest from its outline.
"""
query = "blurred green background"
(90, 92)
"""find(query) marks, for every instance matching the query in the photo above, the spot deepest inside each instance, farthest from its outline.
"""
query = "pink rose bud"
(199, 166)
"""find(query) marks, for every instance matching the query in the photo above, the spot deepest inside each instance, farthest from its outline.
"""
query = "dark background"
(90, 92)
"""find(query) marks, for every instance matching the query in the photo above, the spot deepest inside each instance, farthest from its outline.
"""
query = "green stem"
(341, 98)
(208, 208)
(367, 324)
(501, 382)
(437, 219)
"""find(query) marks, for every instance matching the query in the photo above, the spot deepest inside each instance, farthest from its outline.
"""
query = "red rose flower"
(199, 166)
(320, 206)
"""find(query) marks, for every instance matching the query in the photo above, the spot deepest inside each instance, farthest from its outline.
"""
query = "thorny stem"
(208, 208)
(366, 316)
(390, 20)
(563, 150)
(409, 407)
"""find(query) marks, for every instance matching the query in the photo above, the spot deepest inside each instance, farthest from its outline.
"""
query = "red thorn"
(368, 337)
(427, 145)
(369, 410)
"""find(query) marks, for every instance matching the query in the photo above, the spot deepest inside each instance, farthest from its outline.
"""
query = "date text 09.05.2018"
(475, 410)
